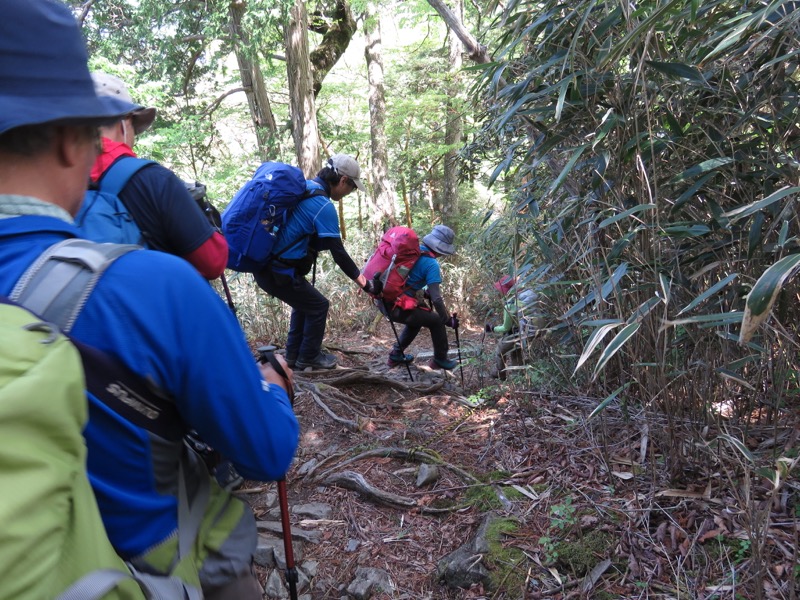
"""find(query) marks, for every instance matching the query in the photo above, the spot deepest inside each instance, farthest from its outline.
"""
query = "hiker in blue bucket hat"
(149, 310)
(415, 314)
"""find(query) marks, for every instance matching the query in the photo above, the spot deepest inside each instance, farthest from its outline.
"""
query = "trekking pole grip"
(266, 354)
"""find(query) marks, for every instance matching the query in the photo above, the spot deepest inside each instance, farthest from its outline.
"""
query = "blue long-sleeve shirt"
(154, 312)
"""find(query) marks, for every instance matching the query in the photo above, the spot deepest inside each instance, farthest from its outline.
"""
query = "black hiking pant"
(309, 310)
(414, 321)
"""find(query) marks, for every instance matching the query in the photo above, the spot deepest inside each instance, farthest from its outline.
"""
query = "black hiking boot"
(323, 360)
(443, 363)
(398, 358)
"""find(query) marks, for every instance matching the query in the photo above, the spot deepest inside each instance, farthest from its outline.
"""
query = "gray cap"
(440, 240)
(346, 165)
(109, 86)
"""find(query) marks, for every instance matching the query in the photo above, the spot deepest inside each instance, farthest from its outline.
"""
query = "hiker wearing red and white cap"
(158, 202)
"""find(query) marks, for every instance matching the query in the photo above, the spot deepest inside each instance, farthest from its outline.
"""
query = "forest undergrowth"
(588, 503)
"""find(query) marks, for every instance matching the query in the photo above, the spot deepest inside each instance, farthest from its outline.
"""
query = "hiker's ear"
(76, 146)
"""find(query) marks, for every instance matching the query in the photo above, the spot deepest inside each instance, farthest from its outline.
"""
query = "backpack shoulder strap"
(118, 174)
(313, 189)
(57, 285)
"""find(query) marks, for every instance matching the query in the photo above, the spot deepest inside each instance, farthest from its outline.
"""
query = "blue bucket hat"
(44, 77)
(440, 240)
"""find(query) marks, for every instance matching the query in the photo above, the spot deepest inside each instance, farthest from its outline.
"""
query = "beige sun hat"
(106, 85)
(346, 165)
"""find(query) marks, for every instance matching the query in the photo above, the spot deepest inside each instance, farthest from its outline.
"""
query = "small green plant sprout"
(562, 516)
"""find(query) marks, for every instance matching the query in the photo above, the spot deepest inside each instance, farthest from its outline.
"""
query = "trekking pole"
(267, 354)
(458, 345)
(397, 337)
(314, 274)
(227, 293)
(198, 191)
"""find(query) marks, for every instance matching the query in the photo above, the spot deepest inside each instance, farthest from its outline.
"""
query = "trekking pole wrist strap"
(267, 355)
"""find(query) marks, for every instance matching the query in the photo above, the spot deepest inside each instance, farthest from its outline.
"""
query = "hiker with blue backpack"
(275, 226)
(150, 313)
(137, 201)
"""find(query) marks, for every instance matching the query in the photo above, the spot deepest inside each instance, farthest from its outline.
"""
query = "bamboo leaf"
(762, 296)
(634, 36)
(708, 293)
(631, 211)
(690, 192)
(715, 320)
(712, 164)
(728, 374)
(644, 309)
(617, 343)
(608, 400)
(567, 169)
(754, 236)
(783, 234)
(605, 290)
(738, 445)
(666, 286)
(679, 70)
(744, 211)
(595, 339)
(562, 94)
(686, 231)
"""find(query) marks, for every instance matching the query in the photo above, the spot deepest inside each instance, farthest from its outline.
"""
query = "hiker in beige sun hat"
(110, 86)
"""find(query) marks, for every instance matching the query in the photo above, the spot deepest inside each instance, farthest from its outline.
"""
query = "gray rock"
(270, 552)
(275, 587)
(369, 581)
(305, 535)
(427, 474)
(464, 566)
(306, 467)
(310, 568)
(313, 510)
(352, 545)
(270, 499)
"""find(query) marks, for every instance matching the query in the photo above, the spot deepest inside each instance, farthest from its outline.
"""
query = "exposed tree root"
(348, 377)
(412, 455)
(351, 480)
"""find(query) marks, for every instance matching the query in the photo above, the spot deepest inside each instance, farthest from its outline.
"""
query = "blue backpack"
(259, 209)
(103, 217)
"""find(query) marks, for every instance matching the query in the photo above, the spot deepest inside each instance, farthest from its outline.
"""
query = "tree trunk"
(301, 97)
(453, 128)
(337, 30)
(253, 84)
(477, 52)
(382, 187)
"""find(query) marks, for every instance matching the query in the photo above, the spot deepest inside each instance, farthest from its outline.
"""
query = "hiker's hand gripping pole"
(266, 354)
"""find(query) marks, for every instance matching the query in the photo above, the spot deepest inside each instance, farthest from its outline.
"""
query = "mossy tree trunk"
(301, 97)
(383, 192)
(253, 83)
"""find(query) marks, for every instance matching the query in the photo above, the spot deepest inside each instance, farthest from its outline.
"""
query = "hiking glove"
(452, 322)
(373, 287)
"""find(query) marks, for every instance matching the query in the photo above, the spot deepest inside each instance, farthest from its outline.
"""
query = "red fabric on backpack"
(397, 253)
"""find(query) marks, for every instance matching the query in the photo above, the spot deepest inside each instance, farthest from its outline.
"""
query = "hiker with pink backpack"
(410, 274)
